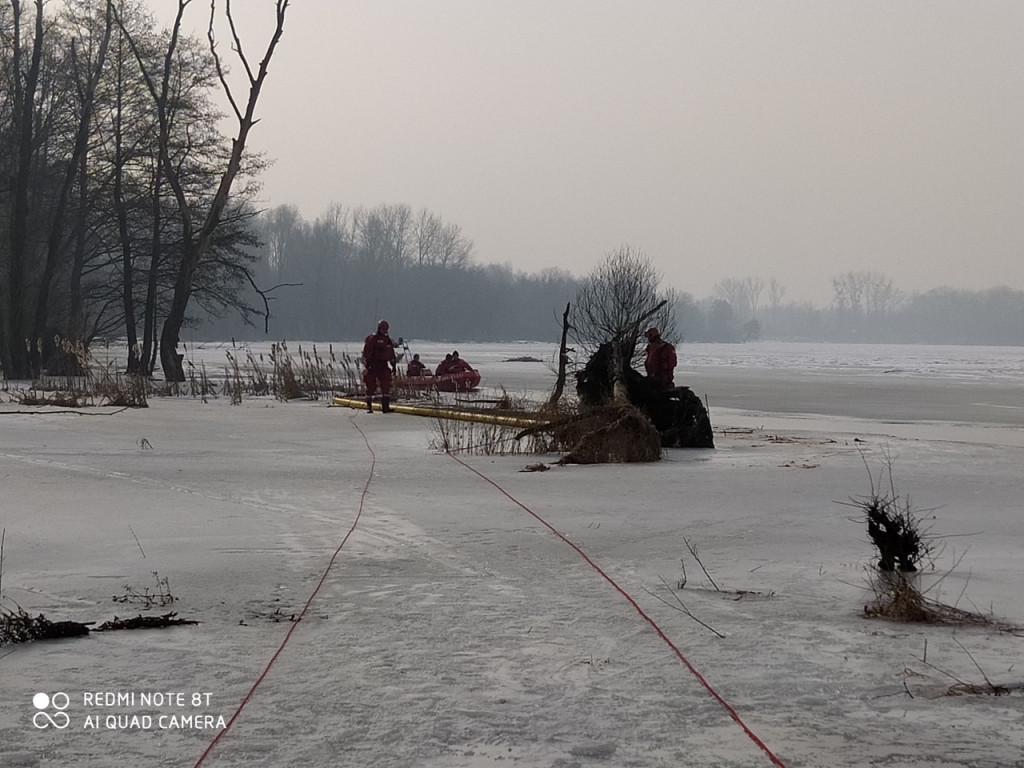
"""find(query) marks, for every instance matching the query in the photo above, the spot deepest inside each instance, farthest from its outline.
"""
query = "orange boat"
(463, 381)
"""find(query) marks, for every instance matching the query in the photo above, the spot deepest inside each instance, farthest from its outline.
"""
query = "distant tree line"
(867, 306)
(334, 277)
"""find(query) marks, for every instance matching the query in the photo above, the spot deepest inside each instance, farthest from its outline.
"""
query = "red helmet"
(652, 333)
(383, 326)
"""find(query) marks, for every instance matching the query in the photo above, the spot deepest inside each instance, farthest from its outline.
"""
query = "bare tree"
(730, 290)
(754, 287)
(198, 231)
(848, 292)
(428, 236)
(279, 227)
(454, 250)
(880, 293)
(386, 234)
(617, 300)
(776, 291)
(743, 295)
(865, 292)
(15, 301)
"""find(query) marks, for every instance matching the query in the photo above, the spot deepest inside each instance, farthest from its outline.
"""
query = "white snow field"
(453, 628)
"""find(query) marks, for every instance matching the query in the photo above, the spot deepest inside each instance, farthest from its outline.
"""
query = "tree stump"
(677, 414)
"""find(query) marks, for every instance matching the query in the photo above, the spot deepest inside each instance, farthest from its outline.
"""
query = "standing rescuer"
(660, 362)
(380, 363)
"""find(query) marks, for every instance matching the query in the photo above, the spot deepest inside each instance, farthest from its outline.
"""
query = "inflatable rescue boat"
(463, 381)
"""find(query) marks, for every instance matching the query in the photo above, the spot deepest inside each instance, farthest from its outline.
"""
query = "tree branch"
(221, 75)
(238, 42)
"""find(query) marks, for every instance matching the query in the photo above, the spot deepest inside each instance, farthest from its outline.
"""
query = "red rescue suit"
(380, 361)
(445, 366)
(458, 365)
(660, 362)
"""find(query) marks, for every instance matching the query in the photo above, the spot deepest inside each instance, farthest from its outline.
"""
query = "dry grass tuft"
(899, 597)
(475, 438)
(310, 374)
(83, 382)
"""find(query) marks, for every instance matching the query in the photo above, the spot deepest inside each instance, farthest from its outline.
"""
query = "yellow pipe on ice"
(519, 422)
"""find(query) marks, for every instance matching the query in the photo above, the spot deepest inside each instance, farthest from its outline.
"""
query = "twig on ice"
(681, 608)
(693, 551)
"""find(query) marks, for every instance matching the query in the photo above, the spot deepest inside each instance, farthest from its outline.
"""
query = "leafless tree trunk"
(563, 359)
(76, 318)
(776, 291)
(15, 333)
(197, 236)
(149, 334)
(86, 84)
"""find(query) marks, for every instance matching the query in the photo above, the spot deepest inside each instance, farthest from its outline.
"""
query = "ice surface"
(456, 630)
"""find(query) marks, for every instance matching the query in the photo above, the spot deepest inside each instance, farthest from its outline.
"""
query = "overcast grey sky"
(781, 139)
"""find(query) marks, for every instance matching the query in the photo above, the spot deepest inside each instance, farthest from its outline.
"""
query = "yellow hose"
(519, 422)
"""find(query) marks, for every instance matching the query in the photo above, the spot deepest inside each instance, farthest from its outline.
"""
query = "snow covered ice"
(454, 629)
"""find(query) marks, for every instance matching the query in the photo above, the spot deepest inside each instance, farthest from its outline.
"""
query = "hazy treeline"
(939, 316)
(335, 276)
(866, 306)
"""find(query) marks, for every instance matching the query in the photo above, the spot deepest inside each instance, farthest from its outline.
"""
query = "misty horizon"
(789, 139)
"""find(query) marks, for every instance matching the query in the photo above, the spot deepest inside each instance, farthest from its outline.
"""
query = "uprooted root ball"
(610, 434)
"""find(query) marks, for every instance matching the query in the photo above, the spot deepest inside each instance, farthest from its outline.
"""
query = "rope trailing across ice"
(299, 616)
(661, 633)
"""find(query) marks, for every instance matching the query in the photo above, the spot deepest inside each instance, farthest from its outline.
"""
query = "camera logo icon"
(50, 710)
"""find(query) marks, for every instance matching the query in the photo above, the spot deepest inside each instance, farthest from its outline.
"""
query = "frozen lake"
(891, 360)
(884, 382)
(448, 628)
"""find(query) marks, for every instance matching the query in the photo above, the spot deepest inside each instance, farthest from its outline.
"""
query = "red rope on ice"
(302, 613)
(728, 708)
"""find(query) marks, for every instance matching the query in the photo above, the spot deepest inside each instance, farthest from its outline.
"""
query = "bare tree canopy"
(618, 300)
(865, 292)
(743, 295)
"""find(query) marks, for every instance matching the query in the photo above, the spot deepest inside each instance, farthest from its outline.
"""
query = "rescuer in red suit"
(458, 365)
(380, 362)
(445, 366)
(660, 362)
(416, 367)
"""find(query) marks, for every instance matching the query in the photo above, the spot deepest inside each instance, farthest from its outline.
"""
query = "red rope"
(302, 613)
(728, 708)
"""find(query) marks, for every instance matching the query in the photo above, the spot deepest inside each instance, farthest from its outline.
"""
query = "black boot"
(385, 404)
(369, 405)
